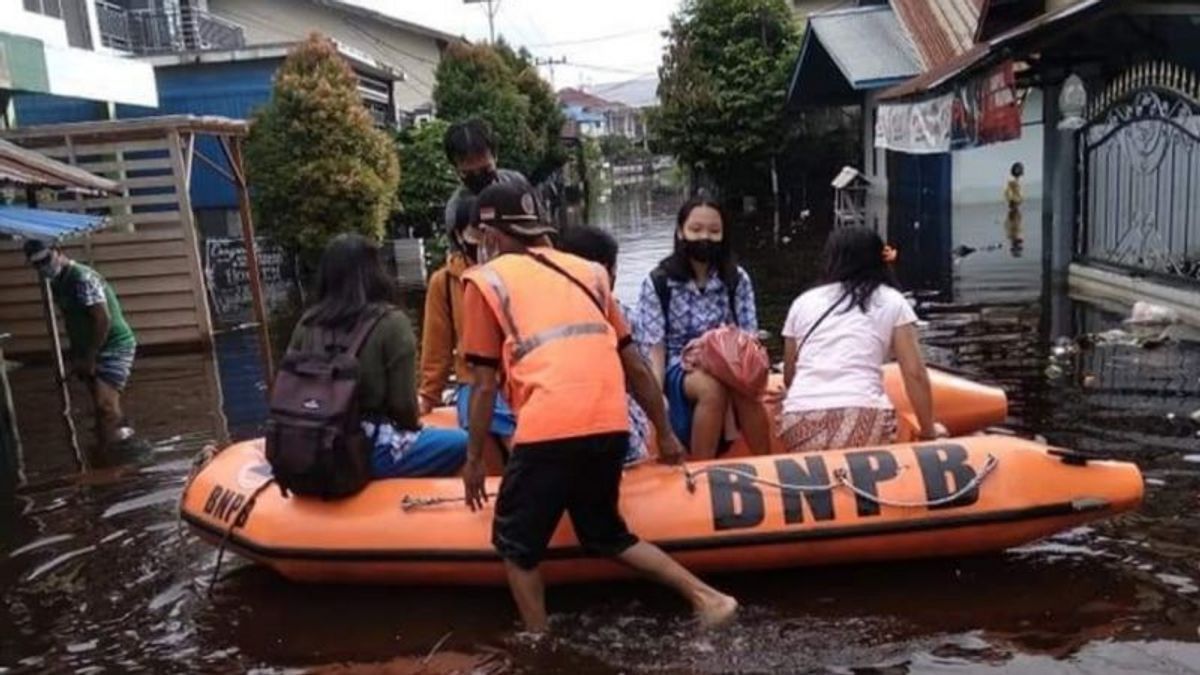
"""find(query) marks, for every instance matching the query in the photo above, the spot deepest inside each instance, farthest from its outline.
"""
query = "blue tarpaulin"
(26, 223)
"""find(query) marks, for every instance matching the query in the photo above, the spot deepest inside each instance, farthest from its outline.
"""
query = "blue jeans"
(504, 420)
(418, 454)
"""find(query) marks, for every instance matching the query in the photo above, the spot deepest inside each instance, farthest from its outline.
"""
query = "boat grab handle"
(841, 478)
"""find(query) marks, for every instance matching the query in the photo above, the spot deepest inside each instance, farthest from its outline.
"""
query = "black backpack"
(659, 276)
(315, 442)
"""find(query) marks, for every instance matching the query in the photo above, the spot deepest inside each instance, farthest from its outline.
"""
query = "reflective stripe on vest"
(523, 346)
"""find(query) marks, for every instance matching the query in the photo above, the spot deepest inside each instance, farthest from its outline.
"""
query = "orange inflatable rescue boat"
(959, 496)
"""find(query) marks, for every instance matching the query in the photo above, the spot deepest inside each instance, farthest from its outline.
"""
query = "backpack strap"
(450, 309)
(731, 288)
(366, 323)
(658, 277)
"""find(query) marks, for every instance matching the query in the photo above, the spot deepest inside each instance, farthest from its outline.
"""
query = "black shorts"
(581, 476)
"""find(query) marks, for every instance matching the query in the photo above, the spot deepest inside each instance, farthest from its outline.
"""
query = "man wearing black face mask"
(470, 148)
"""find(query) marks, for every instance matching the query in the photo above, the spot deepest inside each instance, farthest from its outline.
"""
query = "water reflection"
(96, 573)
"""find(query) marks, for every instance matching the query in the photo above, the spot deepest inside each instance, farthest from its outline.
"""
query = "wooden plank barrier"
(146, 259)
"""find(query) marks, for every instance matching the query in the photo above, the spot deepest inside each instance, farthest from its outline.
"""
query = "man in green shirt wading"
(102, 344)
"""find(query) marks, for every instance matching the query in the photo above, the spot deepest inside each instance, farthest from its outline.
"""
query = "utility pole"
(493, 6)
(539, 61)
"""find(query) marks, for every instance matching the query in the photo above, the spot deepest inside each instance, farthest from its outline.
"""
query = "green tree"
(317, 164)
(427, 178)
(503, 87)
(722, 86)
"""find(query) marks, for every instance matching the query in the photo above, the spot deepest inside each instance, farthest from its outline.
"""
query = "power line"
(551, 63)
(611, 69)
(598, 38)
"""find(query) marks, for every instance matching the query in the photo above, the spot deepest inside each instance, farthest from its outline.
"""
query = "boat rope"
(841, 478)
(410, 502)
(239, 520)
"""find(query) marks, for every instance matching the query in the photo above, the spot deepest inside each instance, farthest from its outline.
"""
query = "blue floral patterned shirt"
(639, 422)
(693, 312)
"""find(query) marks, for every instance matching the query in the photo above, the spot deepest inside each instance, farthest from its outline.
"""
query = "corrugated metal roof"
(18, 221)
(940, 29)
(868, 45)
(33, 169)
(986, 54)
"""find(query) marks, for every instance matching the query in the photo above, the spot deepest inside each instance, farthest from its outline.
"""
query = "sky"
(602, 40)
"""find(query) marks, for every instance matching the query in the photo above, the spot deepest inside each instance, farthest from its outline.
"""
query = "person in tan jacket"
(442, 333)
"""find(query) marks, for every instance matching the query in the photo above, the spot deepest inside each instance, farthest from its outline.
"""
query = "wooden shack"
(150, 255)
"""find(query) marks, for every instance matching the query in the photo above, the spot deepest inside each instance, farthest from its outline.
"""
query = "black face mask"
(702, 250)
(479, 179)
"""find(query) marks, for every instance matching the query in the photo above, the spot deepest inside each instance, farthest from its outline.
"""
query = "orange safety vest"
(564, 378)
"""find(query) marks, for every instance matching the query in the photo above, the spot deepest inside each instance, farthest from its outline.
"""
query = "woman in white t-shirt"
(837, 338)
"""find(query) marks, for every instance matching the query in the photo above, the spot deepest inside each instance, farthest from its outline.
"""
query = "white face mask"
(51, 269)
(487, 249)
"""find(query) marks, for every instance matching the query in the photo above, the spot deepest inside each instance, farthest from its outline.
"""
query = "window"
(46, 7)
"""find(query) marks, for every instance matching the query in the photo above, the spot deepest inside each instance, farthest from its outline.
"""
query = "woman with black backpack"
(698, 288)
(356, 303)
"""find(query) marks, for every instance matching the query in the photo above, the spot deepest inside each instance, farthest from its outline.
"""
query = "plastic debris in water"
(1053, 372)
(1195, 415)
(1089, 380)
(1063, 347)
(1151, 314)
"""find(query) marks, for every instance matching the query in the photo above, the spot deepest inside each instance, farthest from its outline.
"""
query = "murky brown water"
(96, 575)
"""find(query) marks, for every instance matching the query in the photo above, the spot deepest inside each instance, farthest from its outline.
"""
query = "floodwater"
(96, 574)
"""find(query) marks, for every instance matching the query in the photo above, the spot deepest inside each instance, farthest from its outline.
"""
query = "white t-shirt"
(841, 363)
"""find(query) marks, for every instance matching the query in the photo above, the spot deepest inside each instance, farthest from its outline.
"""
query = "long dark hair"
(854, 259)
(677, 265)
(350, 280)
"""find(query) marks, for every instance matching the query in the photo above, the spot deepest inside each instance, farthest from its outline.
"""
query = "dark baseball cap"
(37, 251)
(513, 208)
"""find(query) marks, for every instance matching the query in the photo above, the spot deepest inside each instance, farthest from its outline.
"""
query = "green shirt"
(387, 379)
(77, 289)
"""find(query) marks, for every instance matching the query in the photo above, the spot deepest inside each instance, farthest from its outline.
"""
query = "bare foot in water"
(717, 611)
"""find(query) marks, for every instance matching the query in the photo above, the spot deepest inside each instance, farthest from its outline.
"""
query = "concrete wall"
(980, 174)
(14, 19)
(274, 21)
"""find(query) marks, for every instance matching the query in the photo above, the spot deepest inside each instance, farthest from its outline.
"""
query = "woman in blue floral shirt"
(697, 288)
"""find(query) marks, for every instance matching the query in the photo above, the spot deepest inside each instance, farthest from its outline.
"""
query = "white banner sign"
(917, 128)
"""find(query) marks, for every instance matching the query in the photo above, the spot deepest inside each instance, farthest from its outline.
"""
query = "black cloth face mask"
(479, 179)
(702, 250)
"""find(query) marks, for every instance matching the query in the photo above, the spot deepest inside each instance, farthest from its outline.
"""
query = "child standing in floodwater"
(1014, 197)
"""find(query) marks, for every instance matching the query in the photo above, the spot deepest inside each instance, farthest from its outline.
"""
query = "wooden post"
(187, 223)
(233, 153)
(60, 372)
(12, 461)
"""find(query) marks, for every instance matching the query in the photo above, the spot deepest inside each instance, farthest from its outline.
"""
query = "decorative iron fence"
(1140, 168)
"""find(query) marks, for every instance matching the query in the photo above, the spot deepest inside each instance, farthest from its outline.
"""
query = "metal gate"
(1140, 175)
